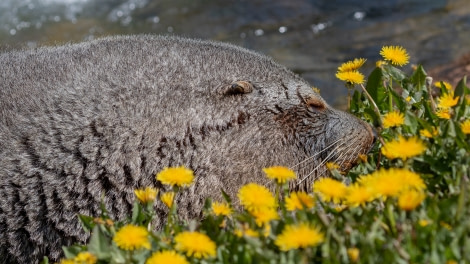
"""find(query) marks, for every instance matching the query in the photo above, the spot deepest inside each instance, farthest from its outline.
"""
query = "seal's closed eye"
(239, 87)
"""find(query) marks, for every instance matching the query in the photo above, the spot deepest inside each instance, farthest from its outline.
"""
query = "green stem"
(391, 216)
(461, 201)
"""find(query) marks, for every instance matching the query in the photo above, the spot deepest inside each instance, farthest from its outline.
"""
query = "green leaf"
(418, 78)
(45, 260)
(87, 222)
(399, 101)
(461, 87)
(226, 196)
(136, 212)
(99, 244)
(375, 87)
(395, 73)
(72, 251)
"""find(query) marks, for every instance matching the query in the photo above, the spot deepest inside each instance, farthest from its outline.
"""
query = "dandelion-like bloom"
(315, 89)
(465, 126)
(329, 189)
(423, 222)
(195, 244)
(353, 254)
(221, 209)
(393, 119)
(179, 176)
(299, 201)
(403, 148)
(351, 77)
(351, 65)
(357, 195)
(67, 261)
(302, 235)
(395, 54)
(429, 134)
(410, 199)
(245, 231)
(446, 86)
(85, 258)
(167, 198)
(264, 215)
(280, 174)
(254, 197)
(380, 63)
(166, 256)
(391, 182)
(131, 237)
(448, 100)
(146, 195)
(332, 165)
(443, 113)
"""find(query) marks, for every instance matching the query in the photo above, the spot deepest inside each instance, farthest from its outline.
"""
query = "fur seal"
(101, 118)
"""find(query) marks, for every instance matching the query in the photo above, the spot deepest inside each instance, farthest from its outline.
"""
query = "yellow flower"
(452, 262)
(331, 165)
(221, 209)
(391, 182)
(395, 54)
(403, 148)
(146, 195)
(447, 85)
(299, 236)
(166, 256)
(315, 89)
(280, 174)
(167, 198)
(195, 244)
(351, 77)
(179, 176)
(357, 194)
(330, 190)
(447, 100)
(393, 119)
(254, 197)
(443, 113)
(465, 126)
(264, 215)
(299, 201)
(423, 222)
(353, 254)
(410, 199)
(445, 225)
(245, 231)
(67, 261)
(429, 134)
(351, 65)
(131, 237)
(380, 63)
(85, 258)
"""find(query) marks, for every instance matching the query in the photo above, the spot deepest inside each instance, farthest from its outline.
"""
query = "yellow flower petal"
(395, 54)
(195, 244)
(280, 174)
(166, 256)
(131, 237)
(302, 235)
(393, 119)
(179, 176)
(403, 148)
(351, 77)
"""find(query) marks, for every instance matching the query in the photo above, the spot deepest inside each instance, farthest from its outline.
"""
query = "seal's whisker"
(321, 163)
(316, 154)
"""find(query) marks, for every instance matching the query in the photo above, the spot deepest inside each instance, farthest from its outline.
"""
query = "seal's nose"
(374, 134)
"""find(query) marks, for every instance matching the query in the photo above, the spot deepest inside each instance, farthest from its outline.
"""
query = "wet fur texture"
(101, 118)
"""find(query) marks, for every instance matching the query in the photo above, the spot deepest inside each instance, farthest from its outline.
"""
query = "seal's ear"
(239, 87)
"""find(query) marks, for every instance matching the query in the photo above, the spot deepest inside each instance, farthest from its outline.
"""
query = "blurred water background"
(310, 37)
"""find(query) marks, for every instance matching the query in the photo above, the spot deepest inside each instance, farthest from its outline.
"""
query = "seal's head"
(91, 122)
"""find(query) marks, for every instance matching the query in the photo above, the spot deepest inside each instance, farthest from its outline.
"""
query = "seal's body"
(100, 119)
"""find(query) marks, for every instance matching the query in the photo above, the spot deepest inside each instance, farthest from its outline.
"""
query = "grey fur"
(103, 117)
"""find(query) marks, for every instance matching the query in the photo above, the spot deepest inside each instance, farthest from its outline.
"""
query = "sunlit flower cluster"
(393, 119)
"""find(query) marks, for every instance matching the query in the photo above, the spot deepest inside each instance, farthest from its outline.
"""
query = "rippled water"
(310, 37)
